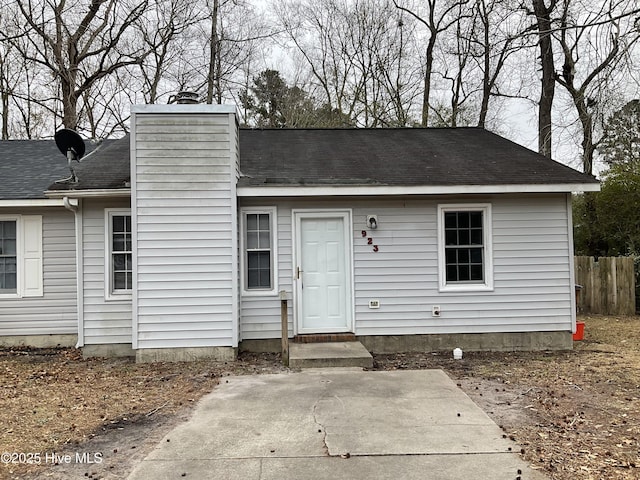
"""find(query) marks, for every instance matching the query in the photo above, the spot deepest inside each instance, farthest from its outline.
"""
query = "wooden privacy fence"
(608, 285)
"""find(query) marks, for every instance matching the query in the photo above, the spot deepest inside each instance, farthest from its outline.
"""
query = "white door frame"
(296, 216)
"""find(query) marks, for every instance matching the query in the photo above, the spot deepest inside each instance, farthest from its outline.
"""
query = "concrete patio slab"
(327, 424)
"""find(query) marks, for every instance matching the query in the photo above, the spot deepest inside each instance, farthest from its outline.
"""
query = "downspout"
(572, 274)
(235, 273)
(74, 205)
(70, 204)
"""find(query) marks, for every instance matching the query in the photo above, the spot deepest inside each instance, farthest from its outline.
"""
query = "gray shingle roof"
(29, 167)
(106, 167)
(395, 157)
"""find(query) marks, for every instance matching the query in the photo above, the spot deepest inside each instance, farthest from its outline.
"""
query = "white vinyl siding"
(532, 287)
(107, 319)
(185, 230)
(48, 303)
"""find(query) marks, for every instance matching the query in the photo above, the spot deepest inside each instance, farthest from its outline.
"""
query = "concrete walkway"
(337, 424)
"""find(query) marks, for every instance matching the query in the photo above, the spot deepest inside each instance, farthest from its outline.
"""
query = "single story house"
(180, 240)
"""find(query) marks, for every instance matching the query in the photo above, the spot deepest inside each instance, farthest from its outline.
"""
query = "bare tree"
(234, 32)
(594, 41)
(439, 17)
(7, 85)
(458, 72)
(20, 82)
(377, 44)
(166, 24)
(79, 43)
(13, 70)
(397, 78)
(498, 37)
(105, 107)
(361, 56)
(316, 30)
(471, 59)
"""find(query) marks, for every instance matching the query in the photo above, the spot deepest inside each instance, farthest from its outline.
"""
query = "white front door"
(323, 272)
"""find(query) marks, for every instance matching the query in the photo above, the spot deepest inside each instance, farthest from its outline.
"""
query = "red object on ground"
(579, 335)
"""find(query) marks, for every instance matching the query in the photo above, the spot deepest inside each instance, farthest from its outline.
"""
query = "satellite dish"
(68, 141)
(72, 146)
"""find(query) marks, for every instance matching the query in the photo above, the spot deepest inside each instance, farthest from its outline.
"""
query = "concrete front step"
(325, 338)
(331, 354)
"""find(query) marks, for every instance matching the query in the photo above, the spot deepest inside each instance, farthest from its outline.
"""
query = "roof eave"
(90, 193)
(362, 190)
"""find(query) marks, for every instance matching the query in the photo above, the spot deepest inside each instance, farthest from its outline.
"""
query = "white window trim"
(273, 217)
(19, 255)
(109, 293)
(487, 285)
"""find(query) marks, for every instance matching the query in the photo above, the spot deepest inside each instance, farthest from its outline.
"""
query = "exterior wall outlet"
(374, 303)
(435, 310)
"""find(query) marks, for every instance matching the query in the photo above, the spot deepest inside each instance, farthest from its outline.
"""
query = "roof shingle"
(396, 157)
(107, 167)
(29, 167)
(289, 157)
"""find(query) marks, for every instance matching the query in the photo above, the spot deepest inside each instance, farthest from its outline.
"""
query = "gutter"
(99, 192)
(382, 190)
(34, 202)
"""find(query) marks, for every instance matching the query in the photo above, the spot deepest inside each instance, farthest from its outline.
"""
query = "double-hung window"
(464, 247)
(8, 256)
(119, 264)
(258, 243)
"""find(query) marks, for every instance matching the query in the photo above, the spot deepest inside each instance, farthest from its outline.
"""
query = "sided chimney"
(184, 167)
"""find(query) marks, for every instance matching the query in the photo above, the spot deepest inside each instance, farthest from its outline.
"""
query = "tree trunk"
(5, 115)
(547, 91)
(427, 80)
(69, 105)
(218, 82)
(214, 51)
(586, 119)
(93, 128)
(486, 75)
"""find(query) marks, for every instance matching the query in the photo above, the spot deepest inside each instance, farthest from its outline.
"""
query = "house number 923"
(369, 240)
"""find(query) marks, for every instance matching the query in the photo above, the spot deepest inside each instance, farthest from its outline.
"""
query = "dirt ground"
(575, 414)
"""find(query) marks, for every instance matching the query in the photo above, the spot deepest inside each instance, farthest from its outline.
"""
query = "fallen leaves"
(52, 399)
